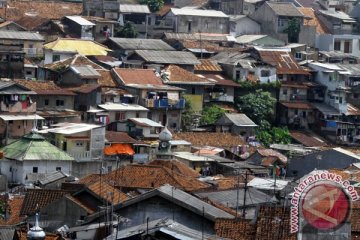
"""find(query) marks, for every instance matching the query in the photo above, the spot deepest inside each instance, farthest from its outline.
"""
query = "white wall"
(49, 56)
(325, 42)
(21, 169)
(244, 26)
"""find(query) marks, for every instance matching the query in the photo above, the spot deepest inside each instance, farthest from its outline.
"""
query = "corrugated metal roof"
(81, 46)
(52, 177)
(145, 122)
(267, 183)
(71, 128)
(216, 37)
(21, 35)
(285, 9)
(326, 109)
(122, 107)
(85, 71)
(193, 203)
(337, 14)
(208, 66)
(141, 44)
(80, 20)
(34, 147)
(21, 117)
(134, 8)
(197, 12)
(168, 57)
(240, 119)
(229, 197)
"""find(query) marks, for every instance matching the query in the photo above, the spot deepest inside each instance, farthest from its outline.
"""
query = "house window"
(79, 144)
(56, 58)
(296, 111)
(58, 168)
(60, 102)
(282, 22)
(237, 75)
(265, 73)
(340, 100)
(337, 45)
(347, 47)
(109, 168)
(35, 169)
(298, 55)
(192, 90)
(137, 114)
(356, 95)
(46, 102)
(189, 26)
(28, 72)
(285, 91)
(120, 116)
(304, 114)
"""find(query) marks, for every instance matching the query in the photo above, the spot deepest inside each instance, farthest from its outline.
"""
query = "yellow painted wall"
(196, 101)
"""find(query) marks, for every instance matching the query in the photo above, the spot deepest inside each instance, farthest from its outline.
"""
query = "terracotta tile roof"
(284, 62)
(45, 87)
(176, 74)
(31, 23)
(164, 10)
(355, 218)
(102, 189)
(90, 179)
(76, 60)
(106, 79)
(85, 88)
(45, 9)
(297, 105)
(308, 139)
(149, 177)
(14, 206)
(176, 166)
(214, 139)
(208, 65)
(118, 137)
(240, 229)
(312, 20)
(207, 45)
(137, 76)
(39, 198)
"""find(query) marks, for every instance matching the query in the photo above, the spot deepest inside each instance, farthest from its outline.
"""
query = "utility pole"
(245, 191)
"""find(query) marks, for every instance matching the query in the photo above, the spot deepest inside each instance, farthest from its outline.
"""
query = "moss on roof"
(34, 147)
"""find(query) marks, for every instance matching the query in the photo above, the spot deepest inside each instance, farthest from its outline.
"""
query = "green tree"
(128, 31)
(211, 114)
(187, 116)
(257, 106)
(268, 135)
(154, 5)
(293, 30)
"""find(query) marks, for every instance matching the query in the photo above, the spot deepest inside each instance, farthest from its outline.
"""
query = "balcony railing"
(33, 52)
(81, 156)
(165, 103)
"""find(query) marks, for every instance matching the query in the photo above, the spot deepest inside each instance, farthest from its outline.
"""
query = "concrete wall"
(40, 101)
(326, 42)
(199, 23)
(19, 170)
(307, 35)
(244, 26)
(127, 114)
(49, 56)
(61, 212)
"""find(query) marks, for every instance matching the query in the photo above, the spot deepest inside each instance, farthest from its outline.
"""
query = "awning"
(21, 117)
(119, 148)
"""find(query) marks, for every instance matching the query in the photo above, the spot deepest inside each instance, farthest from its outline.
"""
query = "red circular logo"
(325, 206)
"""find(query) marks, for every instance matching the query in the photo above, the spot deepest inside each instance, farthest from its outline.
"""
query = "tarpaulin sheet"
(119, 148)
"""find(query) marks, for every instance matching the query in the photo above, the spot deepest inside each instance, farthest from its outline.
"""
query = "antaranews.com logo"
(324, 201)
